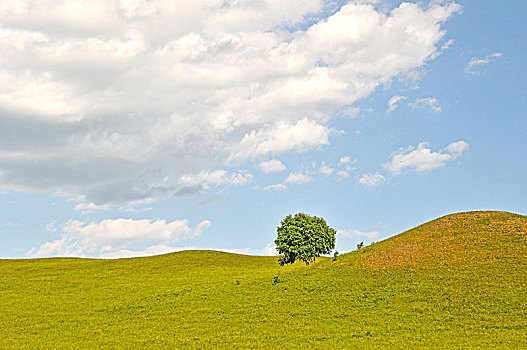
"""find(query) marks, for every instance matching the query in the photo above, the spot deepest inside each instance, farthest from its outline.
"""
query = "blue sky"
(137, 128)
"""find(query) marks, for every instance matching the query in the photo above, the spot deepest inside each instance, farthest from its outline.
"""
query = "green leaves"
(303, 237)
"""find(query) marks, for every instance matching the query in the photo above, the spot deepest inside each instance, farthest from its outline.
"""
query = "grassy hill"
(458, 281)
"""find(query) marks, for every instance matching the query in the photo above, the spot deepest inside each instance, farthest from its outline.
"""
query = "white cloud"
(107, 99)
(393, 103)
(298, 178)
(423, 159)
(301, 136)
(344, 160)
(371, 235)
(456, 149)
(204, 179)
(349, 112)
(447, 45)
(475, 63)
(272, 166)
(325, 169)
(269, 250)
(276, 187)
(86, 208)
(372, 180)
(341, 175)
(112, 235)
(430, 102)
(240, 178)
(346, 163)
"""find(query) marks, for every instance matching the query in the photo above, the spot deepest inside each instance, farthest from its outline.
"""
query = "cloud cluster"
(110, 236)
(118, 102)
(191, 184)
(272, 166)
(430, 102)
(372, 180)
(298, 178)
(310, 174)
(422, 159)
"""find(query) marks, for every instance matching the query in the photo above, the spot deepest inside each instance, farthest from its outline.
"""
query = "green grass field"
(456, 282)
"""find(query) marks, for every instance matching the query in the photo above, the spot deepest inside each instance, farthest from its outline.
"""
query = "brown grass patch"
(457, 239)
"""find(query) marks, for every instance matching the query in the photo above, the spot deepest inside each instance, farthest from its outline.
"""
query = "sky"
(133, 128)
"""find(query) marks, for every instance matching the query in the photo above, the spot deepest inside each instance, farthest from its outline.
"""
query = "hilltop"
(457, 281)
(463, 239)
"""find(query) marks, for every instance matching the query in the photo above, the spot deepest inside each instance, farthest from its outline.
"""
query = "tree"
(303, 237)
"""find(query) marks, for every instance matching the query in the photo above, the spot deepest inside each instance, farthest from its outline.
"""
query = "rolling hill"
(457, 281)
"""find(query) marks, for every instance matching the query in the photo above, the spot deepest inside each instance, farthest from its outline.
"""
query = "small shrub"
(276, 279)
(360, 245)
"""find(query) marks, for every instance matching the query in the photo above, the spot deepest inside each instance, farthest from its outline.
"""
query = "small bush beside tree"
(303, 237)
(335, 255)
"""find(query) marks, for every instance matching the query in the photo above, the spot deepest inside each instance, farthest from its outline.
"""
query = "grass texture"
(456, 282)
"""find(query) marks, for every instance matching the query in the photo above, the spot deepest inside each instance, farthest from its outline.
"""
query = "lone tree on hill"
(303, 237)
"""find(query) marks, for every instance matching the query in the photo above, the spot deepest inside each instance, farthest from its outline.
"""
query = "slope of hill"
(458, 281)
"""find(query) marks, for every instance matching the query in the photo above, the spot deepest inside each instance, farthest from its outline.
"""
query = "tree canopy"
(303, 237)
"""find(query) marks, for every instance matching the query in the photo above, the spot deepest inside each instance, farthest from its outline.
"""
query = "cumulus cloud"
(325, 169)
(393, 103)
(422, 159)
(298, 178)
(115, 102)
(205, 179)
(272, 166)
(191, 184)
(372, 180)
(301, 136)
(456, 149)
(344, 160)
(341, 175)
(427, 102)
(113, 235)
(475, 64)
(345, 163)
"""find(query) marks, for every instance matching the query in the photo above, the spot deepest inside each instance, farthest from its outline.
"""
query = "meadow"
(459, 281)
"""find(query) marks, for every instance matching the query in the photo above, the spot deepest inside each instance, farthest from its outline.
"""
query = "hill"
(458, 281)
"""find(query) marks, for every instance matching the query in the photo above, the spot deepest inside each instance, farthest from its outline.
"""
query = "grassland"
(456, 282)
